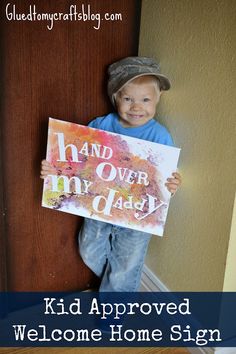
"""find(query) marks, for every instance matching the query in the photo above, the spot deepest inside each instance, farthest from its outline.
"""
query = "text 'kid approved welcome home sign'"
(108, 177)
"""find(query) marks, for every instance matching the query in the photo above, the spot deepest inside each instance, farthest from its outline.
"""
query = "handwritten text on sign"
(108, 177)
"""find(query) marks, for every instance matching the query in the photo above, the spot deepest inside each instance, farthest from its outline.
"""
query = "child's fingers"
(45, 163)
(174, 181)
(45, 173)
(46, 169)
(172, 186)
(177, 176)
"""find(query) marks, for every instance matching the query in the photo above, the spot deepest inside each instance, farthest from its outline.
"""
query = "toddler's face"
(136, 101)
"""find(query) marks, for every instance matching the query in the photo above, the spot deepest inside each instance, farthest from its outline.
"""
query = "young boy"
(116, 254)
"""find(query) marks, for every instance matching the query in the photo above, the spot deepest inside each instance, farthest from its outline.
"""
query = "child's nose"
(136, 106)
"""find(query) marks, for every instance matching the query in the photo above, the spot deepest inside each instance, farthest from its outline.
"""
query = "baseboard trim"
(229, 350)
(201, 350)
(150, 282)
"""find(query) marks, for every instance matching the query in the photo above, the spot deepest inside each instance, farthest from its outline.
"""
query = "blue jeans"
(115, 254)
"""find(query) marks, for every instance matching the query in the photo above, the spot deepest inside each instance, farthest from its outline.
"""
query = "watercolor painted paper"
(108, 177)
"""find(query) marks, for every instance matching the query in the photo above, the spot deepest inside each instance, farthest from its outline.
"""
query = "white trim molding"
(228, 350)
(150, 282)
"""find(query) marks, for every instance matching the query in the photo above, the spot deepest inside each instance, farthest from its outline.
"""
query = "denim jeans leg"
(125, 261)
(94, 244)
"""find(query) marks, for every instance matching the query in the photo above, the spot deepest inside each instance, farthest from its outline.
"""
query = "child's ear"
(159, 95)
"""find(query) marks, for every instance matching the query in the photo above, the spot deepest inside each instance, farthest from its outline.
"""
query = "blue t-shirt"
(151, 131)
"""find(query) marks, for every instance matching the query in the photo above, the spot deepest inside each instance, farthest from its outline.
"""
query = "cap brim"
(164, 81)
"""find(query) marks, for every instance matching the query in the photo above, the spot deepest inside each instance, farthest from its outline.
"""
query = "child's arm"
(173, 183)
(47, 169)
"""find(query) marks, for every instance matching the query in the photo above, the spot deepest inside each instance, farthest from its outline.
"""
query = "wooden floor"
(93, 351)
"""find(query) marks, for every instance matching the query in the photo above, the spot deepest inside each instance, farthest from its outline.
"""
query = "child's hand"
(47, 169)
(173, 183)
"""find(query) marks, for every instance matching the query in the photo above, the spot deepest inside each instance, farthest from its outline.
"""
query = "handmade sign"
(108, 177)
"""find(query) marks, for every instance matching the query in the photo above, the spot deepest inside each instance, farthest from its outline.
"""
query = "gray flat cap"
(127, 69)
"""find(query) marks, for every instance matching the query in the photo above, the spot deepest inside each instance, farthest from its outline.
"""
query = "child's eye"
(146, 99)
(126, 99)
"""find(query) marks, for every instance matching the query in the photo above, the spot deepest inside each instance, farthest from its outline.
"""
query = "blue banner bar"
(83, 319)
